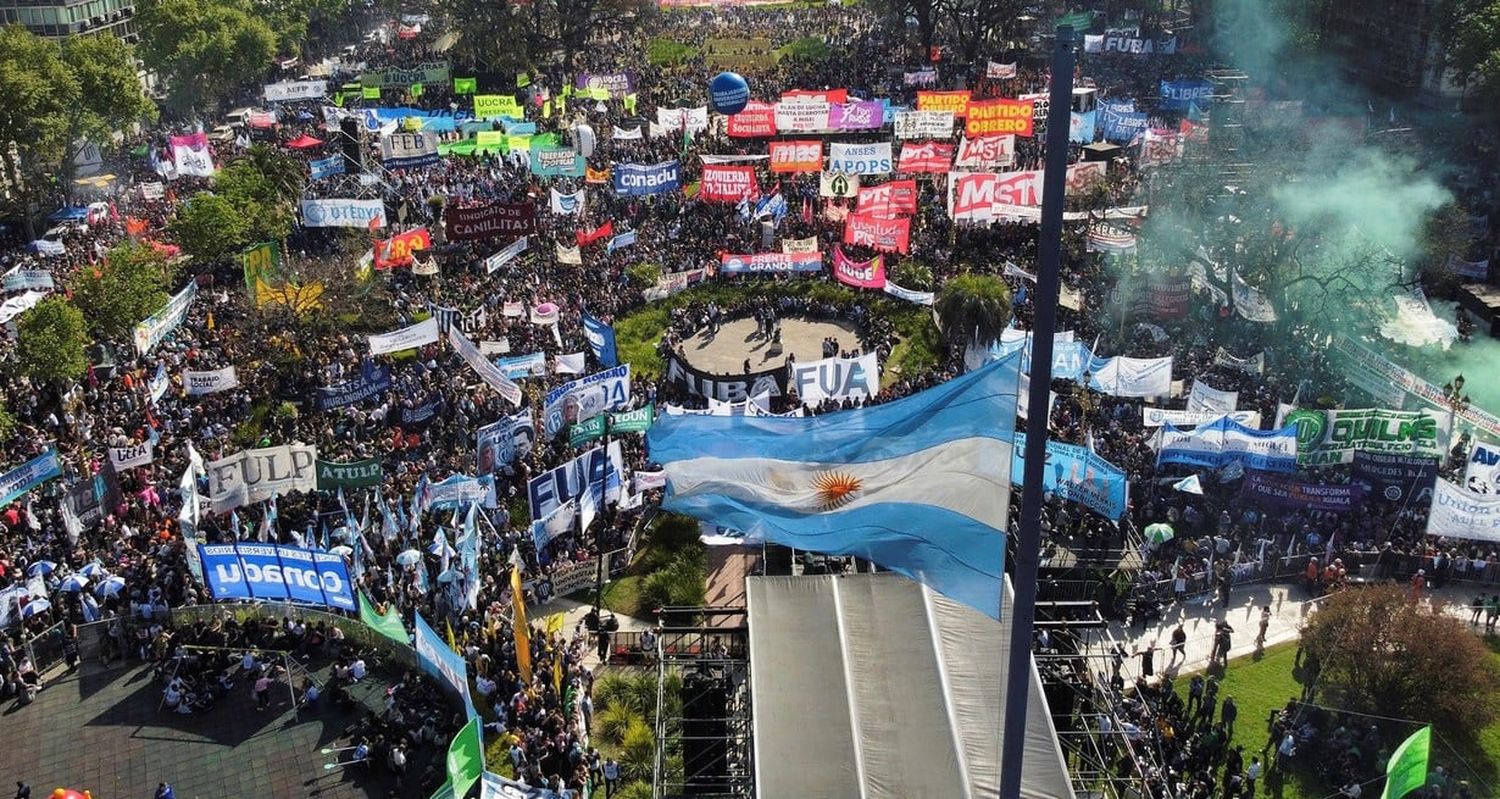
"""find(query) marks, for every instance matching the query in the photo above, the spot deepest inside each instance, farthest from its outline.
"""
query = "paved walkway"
(100, 729)
(725, 351)
(1289, 608)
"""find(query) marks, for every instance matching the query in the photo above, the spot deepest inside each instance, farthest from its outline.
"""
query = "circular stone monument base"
(724, 352)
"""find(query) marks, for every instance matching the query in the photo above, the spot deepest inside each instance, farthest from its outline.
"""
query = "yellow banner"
(489, 106)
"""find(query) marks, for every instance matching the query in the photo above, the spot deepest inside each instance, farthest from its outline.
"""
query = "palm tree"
(974, 307)
(282, 171)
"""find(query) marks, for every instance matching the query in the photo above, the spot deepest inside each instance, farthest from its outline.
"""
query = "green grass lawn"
(1263, 683)
(623, 596)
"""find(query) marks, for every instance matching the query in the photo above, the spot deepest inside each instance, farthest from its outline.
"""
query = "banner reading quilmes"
(277, 573)
(1329, 438)
(333, 475)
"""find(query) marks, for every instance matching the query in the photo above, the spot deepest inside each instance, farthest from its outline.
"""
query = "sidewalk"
(1289, 608)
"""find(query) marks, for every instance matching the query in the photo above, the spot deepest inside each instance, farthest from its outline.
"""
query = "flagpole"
(1028, 533)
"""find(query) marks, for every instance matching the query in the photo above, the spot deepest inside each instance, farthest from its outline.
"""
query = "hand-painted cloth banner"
(924, 124)
(417, 335)
(256, 475)
(157, 326)
(132, 456)
(835, 379)
(1457, 513)
(728, 183)
(333, 475)
(1284, 492)
(276, 573)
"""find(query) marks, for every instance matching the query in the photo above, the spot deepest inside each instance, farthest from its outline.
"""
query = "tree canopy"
(50, 341)
(205, 51)
(974, 307)
(129, 285)
(1470, 33)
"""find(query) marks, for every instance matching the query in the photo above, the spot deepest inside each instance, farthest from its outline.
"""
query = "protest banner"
(212, 382)
(886, 200)
(928, 157)
(1285, 492)
(838, 184)
(999, 117)
(634, 180)
(836, 379)
(417, 335)
(372, 381)
(157, 326)
(796, 155)
(131, 456)
(355, 474)
(343, 213)
(860, 274)
(272, 572)
(490, 220)
(1331, 437)
(858, 115)
(728, 183)
(398, 250)
(432, 72)
(956, 102)
(860, 159)
(771, 262)
(886, 235)
(923, 124)
(489, 106)
(256, 475)
(1077, 474)
(407, 150)
(726, 388)
(757, 120)
(806, 115)
(1457, 513)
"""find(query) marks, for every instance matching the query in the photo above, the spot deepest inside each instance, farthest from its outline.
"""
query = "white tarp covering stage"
(871, 686)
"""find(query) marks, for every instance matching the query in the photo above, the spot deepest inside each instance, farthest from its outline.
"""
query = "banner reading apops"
(277, 573)
(1000, 117)
(255, 475)
(355, 474)
(1328, 438)
(860, 159)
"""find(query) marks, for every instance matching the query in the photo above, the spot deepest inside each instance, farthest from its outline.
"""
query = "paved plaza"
(100, 729)
(725, 351)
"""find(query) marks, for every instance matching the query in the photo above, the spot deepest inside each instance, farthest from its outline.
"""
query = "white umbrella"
(342, 551)
(40, 567)
(73, 583)
(34, 607)
(110, 586)
(409, 558)
(94, 569)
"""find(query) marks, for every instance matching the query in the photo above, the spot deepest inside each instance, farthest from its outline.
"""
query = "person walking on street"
(1228, 714)
(611, 777)
(1265, 621)
(1179, 645)
(1195, 694)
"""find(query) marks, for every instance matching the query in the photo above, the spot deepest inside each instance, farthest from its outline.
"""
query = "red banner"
(886, 235)
(757, 120)
(728, 184)
(927, 156)
(888, 200)
(396, 250)
(957, 102)
(604, 231)
(830, 95)
(800, 155)
(999, 117)
(860, 274)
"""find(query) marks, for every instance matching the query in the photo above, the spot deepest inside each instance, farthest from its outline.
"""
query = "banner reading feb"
(957, 102)
(991, 117)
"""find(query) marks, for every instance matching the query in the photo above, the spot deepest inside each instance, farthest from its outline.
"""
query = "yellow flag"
(555, 623)
(630, 103)
(210, 320)
(547, 110)
(557, 673)
(452, 644)
(518, 621)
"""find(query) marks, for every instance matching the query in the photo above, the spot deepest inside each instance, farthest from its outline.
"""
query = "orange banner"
(957, 102)
(994, 117)
(396, 250)
(801, 155)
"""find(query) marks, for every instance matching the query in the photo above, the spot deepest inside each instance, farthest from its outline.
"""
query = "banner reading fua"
(1327, 438)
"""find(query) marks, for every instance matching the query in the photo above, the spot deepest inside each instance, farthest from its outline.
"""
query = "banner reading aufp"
(276, 573)
(255, 475)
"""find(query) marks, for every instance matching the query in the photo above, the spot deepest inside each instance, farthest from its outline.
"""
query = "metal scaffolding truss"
(704, 742)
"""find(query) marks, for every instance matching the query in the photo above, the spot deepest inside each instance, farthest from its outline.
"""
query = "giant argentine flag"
(920, 486)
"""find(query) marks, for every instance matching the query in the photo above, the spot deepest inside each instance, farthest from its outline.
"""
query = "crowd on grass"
(425, 425)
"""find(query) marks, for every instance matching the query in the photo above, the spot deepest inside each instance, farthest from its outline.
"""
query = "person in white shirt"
(357, 669)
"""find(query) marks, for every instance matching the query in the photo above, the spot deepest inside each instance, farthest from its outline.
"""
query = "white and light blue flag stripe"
(920, 486)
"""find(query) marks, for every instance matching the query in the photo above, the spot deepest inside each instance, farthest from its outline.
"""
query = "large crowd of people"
(425, 425)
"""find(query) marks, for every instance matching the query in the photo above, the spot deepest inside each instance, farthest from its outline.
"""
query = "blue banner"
(551, 489)
(327, 167)
(444, 121)
(442, 663)
(634, 180)
(28, 475)
(516, 128)
(1218, 444)
(1180, 95)
(601, 340)
(277, 573)
(373, 380)
(1078, 474)
(518, 366)
(458, 490)
(1123, 126)
(1081, 127)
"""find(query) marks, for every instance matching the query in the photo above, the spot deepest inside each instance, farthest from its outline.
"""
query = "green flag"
(466, 758)
(465, 85)
(630, 100)
(1407, 770)
(371, 92)
(388, 625)
(1080, 21)
(338, 99)
(635, 421)
(586, 431)
(523, 79)
(416, 90)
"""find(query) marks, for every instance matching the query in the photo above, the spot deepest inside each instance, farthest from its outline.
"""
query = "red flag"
(605, 230)
(807, 211)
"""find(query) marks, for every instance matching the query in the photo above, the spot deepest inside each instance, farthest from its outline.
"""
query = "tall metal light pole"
(1028, 535)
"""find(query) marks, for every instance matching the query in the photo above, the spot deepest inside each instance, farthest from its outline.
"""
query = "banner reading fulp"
(274, 572)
